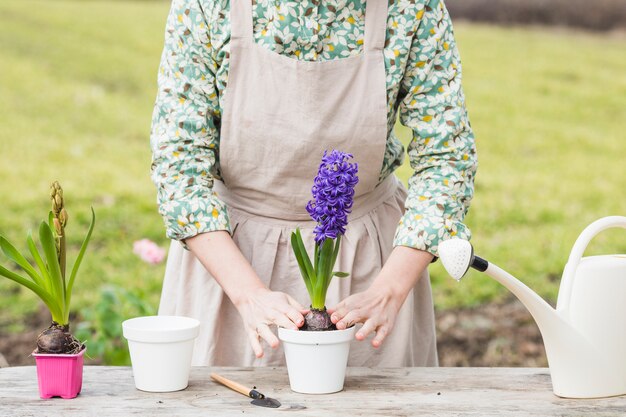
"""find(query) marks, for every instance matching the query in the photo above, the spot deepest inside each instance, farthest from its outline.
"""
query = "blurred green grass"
(77, 85)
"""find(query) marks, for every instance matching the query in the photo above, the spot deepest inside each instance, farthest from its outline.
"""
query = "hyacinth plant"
(333, 195)
(47, 277)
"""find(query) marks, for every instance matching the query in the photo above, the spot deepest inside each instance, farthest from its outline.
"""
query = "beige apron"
(280, 114)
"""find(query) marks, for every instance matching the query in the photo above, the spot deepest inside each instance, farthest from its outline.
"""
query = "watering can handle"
(567, 282)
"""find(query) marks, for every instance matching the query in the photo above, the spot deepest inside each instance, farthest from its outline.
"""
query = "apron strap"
(241, 19)
(375, 25)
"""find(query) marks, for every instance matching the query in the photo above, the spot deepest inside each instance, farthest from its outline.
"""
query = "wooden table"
(110, 391)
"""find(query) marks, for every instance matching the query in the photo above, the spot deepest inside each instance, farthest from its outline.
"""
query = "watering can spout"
(458, 256)
(578, 367)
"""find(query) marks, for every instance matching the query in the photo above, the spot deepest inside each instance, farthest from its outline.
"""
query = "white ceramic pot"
(316, 361)
(160, 351)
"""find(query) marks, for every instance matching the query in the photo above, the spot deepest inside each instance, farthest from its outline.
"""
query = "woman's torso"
(318, 31)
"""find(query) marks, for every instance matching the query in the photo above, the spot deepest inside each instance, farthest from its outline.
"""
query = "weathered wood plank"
(110, 391)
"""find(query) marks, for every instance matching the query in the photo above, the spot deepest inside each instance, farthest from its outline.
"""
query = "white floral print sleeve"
(442, 151)
(184, 137)
(423, 84)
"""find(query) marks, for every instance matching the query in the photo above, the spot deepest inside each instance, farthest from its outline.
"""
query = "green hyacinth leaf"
(340, 274)
(321, 284)
(13, 254)
(51, 222)
(305, 255)
(50, 252)
(79, 258)
(301, 263)
(316, 257)
(45, 277)
(333, 260)
(46, 297)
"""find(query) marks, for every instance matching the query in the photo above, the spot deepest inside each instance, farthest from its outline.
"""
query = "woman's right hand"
(262, 308)
(258, 306)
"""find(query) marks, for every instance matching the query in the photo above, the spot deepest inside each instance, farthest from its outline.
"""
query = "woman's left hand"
(378, 306)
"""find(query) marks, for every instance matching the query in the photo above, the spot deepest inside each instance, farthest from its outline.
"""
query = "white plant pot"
(316, 361)
(160, 351)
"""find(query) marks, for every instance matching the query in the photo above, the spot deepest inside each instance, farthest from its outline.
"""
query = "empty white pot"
(316, 361)
(160, 351)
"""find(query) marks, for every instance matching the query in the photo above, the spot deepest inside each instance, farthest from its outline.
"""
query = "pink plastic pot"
(59, 375)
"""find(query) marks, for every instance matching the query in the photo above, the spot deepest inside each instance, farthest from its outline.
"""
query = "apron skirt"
(189, 290)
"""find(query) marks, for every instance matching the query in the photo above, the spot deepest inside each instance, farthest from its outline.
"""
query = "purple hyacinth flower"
(333, 195)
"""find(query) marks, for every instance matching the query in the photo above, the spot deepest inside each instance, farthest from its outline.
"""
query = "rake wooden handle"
(235, 386)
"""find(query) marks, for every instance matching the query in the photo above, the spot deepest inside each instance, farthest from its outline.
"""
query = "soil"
(17, 347)
(489, 335)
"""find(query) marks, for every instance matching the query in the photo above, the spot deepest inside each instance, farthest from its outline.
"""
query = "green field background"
(77, 86)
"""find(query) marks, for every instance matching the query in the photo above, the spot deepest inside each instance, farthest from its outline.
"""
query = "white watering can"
(585, 337)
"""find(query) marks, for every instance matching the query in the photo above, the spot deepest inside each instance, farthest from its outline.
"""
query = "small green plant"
(47, 277)
(101, 323)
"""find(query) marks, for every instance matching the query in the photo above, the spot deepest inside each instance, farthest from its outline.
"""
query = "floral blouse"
(423, 84)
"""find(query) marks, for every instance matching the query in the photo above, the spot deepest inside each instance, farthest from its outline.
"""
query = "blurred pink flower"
(149, 251)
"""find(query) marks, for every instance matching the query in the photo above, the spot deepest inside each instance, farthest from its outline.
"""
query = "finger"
(285, 322)
(267, 335)
(338, 312)
(365, 331)
(289, 317)
(381, 334)
(301, 310)
(254, 342)
(349, 319)
(295, 316)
